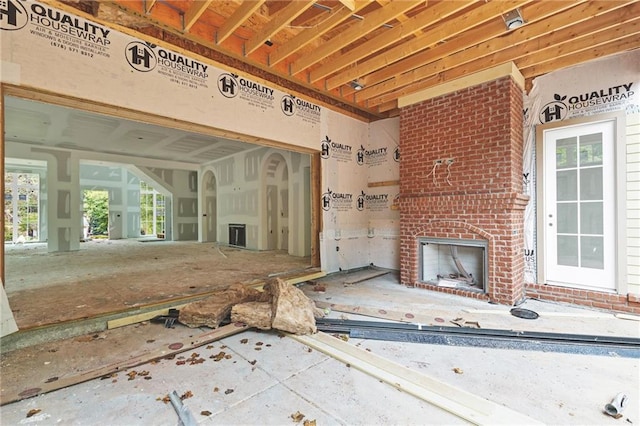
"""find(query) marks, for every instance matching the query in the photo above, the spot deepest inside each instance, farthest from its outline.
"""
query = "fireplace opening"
(454, 263)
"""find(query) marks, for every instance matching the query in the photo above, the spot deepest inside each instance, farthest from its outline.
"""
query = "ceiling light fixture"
(355, 85)
(268, 42)
(513, 19)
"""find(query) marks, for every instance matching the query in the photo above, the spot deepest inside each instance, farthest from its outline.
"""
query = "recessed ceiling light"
(513, 19)
(356, 85)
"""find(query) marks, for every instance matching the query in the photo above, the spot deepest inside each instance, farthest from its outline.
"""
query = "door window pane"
(566, 153)
(591, 183)
(567, 185)
(591, 218)
(592, 252)
(591, 150)
(567, 250)
(568, 218)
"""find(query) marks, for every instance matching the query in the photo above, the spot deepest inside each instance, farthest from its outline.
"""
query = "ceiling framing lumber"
(194, 12)
(288, 14)
(246, 9)
(391, 48)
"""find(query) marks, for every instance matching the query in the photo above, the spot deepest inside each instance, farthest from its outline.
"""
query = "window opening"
(21, 207)
(152, 211)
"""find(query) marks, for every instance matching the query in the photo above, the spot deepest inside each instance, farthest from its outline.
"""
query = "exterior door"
(580, 205)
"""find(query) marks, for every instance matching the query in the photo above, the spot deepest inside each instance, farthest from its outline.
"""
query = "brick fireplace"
(461, 181)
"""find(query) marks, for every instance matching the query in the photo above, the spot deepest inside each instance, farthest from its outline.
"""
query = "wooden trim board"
(368, 311)
(545, 314)
(141, 358)
(458, 402)
(373, 273)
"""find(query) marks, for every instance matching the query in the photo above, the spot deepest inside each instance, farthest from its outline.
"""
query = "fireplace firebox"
(454, 263)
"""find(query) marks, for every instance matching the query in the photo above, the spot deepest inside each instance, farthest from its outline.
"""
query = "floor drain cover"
(524, 313)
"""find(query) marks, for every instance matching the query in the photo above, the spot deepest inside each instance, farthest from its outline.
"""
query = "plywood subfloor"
(110, 276)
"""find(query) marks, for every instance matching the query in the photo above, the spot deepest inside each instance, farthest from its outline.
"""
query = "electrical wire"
(433, 173)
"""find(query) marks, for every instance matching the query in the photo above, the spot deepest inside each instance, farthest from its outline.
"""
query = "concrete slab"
(268, 385)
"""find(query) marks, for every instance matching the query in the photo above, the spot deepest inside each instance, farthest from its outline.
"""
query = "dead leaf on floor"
(297, 416)
(109, 376)
(244, 341)
(458, 370)
(253, 362)
(319, 288)
(205, 413)
(309, 422)
(341, 337)
(52, 379)
(209, 346)
(219, 356)
(216, 389)
(228, 391)
(186, 395)
(259, 343)
(132, 374)
(166, 399)
(33, 412)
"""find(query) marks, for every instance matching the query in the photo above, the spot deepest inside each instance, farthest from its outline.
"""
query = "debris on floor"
(210, 312)
(288, 309)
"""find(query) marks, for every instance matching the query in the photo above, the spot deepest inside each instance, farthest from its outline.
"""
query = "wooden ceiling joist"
(311, 34)
(409, 28)
(194, 12)
(241, 14)
(428, 39)
(284, 17)
(373, 21)
(415, 79)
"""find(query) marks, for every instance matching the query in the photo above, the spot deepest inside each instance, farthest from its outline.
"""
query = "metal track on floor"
(627, 347)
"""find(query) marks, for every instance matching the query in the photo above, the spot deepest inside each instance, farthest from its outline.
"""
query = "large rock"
(292, 310)
(253, 314)
(210, 312)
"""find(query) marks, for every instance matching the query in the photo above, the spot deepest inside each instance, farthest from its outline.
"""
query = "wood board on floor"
(459, 402)
(364, 275)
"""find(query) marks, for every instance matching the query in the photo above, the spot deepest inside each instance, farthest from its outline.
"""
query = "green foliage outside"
(96, 207)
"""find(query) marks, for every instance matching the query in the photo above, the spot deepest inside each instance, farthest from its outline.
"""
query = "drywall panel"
(611, 84)
(146, 75)
(7, 321)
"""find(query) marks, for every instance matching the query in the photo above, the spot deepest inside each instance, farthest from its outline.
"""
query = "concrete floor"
(268, 378)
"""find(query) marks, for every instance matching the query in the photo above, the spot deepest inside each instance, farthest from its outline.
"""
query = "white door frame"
(619, 172)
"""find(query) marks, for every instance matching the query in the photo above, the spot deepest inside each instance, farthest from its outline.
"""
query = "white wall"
(633, 202)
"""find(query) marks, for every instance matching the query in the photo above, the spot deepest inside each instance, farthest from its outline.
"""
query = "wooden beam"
(316, 208)
(307, 36)
(148, 5)
(383, 183)
(468, 39)
(371, 22)
(585, 39)
(194, 12)
(282, 18)
(350, 4)
(133, 361)
(462, 62)
(463, 404)
(409, 28)
(434, 35)
(240, 15)
(627, 43)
